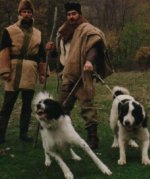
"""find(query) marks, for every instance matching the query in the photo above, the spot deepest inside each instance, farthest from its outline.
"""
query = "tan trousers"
(84, 93)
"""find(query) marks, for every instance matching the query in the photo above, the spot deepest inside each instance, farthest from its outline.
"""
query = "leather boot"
(24, 125)
(3, 127)
(2, 138)
(92, 138)
(25, 137)
(2, 135)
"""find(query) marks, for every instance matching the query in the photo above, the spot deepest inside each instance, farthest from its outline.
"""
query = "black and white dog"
(57, 132)
(128, 119)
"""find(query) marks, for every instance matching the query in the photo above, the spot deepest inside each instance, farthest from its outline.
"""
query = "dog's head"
(46, 108)
(132, 115)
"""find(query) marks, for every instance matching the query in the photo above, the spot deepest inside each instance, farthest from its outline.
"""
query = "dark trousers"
(10, 98)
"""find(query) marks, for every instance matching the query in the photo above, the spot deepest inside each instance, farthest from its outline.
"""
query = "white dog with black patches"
(57, 132)
(128, 119)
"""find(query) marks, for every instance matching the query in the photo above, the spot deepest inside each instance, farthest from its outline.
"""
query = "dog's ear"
(139, 114)
(123, 107)
(144, 123)
(53, 109)
(119, 108)
(122, 110)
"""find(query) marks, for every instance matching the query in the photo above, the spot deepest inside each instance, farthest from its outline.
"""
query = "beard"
(72, 22)
(68, 28)
(26, 22)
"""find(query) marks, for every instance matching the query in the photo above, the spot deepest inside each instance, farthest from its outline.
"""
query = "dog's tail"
(118, 90)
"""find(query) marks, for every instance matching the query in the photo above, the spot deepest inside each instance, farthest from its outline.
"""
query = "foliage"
(133, 36)
(143, 57)
(112, 44)
(125, 23)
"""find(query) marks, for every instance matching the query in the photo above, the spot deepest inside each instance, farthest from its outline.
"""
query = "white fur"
(60, 133)
(41, 96)
(122, 136)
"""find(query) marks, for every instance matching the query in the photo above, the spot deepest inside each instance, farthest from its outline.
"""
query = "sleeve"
(54, 54)
(91, 55)
(6, 40)
(42, 63)
(42, 53)
(103, 64)
(6, 43)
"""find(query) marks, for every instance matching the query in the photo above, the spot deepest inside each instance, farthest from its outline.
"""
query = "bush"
(142, 58)
(132, 38)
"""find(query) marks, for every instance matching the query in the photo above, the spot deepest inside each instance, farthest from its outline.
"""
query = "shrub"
(142, 57)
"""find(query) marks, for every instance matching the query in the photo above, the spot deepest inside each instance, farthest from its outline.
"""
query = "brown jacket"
(24, 71)
(85, 36)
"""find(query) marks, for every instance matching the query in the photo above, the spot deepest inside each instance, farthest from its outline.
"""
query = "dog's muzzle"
(127, 124)
(40, 110)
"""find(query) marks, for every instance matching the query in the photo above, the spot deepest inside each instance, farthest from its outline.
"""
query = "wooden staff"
(47, 64)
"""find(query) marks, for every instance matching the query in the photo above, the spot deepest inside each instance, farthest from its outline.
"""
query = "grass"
(22, 161)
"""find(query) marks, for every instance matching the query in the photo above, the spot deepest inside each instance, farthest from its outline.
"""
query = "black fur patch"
(144, 124)
(138, 114)
(123, 109)
(53, 109)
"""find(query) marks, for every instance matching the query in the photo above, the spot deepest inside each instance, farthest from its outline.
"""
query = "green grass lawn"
(22, 161)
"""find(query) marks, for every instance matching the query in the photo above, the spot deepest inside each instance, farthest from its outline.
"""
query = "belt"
(25, 57)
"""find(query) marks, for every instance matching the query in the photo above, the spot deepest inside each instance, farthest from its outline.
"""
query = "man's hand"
(6, 76)
(50, 46)
(42, 79)
(88, 66)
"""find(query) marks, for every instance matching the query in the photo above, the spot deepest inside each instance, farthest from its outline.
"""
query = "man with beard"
(82, 47)
(22, 61)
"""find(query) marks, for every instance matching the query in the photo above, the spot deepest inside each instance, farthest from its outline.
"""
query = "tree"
(8, 13)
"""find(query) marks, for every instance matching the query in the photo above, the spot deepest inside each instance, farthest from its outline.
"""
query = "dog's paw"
(107, 171)
(76, 157)
(132, 143)
(121, 162)
(115, 145)
(48, 162)
(146, 161)
(69, 175)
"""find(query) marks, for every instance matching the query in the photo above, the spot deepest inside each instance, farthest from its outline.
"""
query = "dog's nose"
(127, 123)
(38, 106)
